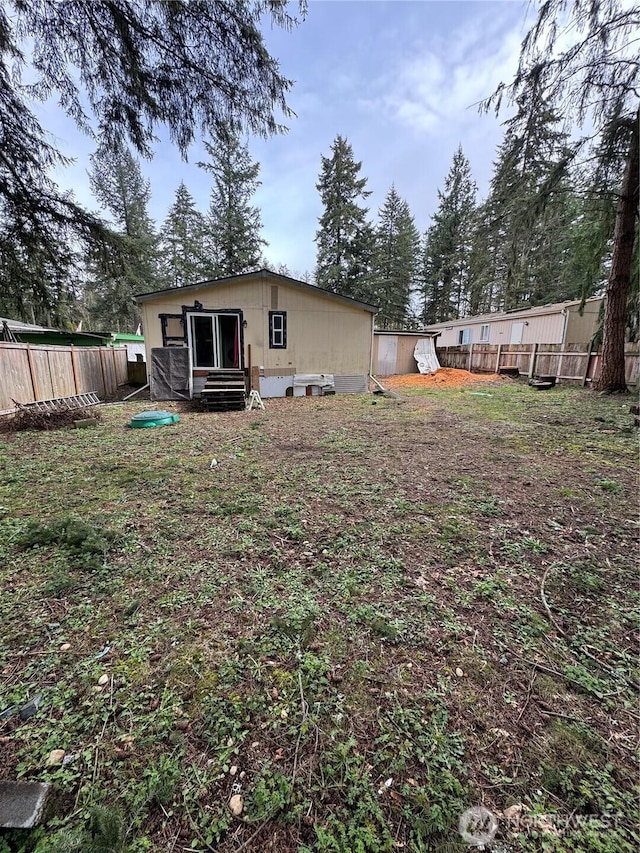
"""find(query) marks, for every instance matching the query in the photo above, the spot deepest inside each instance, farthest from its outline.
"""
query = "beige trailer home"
(560, 323)
(285, 336)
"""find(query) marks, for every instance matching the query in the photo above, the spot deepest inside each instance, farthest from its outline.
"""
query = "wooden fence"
(567, 362)
(33, 372)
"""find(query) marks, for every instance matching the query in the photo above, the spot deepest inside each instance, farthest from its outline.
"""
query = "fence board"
(108, 371)
(15, 378)
(89, 370)
(61, 376)
(29, 372)
(120, 361)
(42, 373)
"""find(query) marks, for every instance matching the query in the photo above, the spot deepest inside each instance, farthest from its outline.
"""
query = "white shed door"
(516, 333)
(387, 355)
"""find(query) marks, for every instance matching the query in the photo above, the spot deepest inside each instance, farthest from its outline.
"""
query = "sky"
(400, 80)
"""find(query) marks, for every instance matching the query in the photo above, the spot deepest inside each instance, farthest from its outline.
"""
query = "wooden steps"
(224, 391)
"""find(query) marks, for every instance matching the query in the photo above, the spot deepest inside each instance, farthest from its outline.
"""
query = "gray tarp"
(169, 378)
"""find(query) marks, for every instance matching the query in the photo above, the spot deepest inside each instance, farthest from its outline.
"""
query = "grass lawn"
(369, 616)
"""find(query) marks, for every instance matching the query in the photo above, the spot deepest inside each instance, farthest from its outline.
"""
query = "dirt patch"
(445, 377)
(27, 418)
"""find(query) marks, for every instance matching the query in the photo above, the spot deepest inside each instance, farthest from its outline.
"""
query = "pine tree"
(132, 264)
(345, 238)
(528, 207)
(183, 243)
(396, 261)
(234, 244)
(119, 70)
(595, 80)
(446, 283)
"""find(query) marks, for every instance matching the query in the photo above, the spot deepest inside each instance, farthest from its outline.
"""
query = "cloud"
(441, 80)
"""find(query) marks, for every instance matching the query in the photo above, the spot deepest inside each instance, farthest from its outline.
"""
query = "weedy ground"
(362, 621)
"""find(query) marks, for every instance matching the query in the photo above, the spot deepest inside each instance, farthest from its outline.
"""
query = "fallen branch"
(545, 603)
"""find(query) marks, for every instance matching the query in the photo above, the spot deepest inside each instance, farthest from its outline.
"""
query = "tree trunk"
(612, 378)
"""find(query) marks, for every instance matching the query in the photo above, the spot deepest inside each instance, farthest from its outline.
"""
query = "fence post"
(32, 373)
(115, 369)
(103, 371)
(498, 358)
(586, 369)
(470, 358)
(532, 362)
(74, 367)
(559, 367)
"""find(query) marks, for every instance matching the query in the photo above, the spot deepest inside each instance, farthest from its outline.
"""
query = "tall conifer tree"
(234, 244)
(396, 261)
(447, 248)
(183, 242)
(345, 238)
(131, 266)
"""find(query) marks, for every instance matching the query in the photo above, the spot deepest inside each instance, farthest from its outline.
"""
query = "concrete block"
(22, 804)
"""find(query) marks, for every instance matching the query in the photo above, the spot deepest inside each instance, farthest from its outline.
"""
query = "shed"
(558, 323)
(284, 335)
(393, 351)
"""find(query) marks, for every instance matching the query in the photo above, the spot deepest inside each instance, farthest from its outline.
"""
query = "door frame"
(197, 308)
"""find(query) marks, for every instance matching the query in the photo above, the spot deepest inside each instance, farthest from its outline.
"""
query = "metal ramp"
(59, 404)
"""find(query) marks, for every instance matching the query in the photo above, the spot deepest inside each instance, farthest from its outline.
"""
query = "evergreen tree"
(447, 247)
(183, 243)
(528, 207)
(119, 70)
(233, 225)
(39, 285)
(595, 80)
(345, 239)
(132, 265)
(396, 261)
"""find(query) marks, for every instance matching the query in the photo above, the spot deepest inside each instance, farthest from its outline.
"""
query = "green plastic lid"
(153, 419)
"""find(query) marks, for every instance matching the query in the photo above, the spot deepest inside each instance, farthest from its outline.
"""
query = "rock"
(65, 647)
(28, 710)
(236, 805)
(233, 770)
(459, 672)
(22, 804)
(84, 423)
(103, 680)
(56, 756)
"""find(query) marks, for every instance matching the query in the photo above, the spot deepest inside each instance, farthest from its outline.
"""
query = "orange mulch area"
(445, 377)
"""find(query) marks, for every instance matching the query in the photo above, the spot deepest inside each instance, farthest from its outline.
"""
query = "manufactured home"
(560, 323)
(283, 336)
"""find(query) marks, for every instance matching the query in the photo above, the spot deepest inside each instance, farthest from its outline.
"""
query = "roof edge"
(261, 273)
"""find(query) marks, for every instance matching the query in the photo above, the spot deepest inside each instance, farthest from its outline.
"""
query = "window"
(464, 337)
(277, 329)
(484, 333)
(172, 330)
